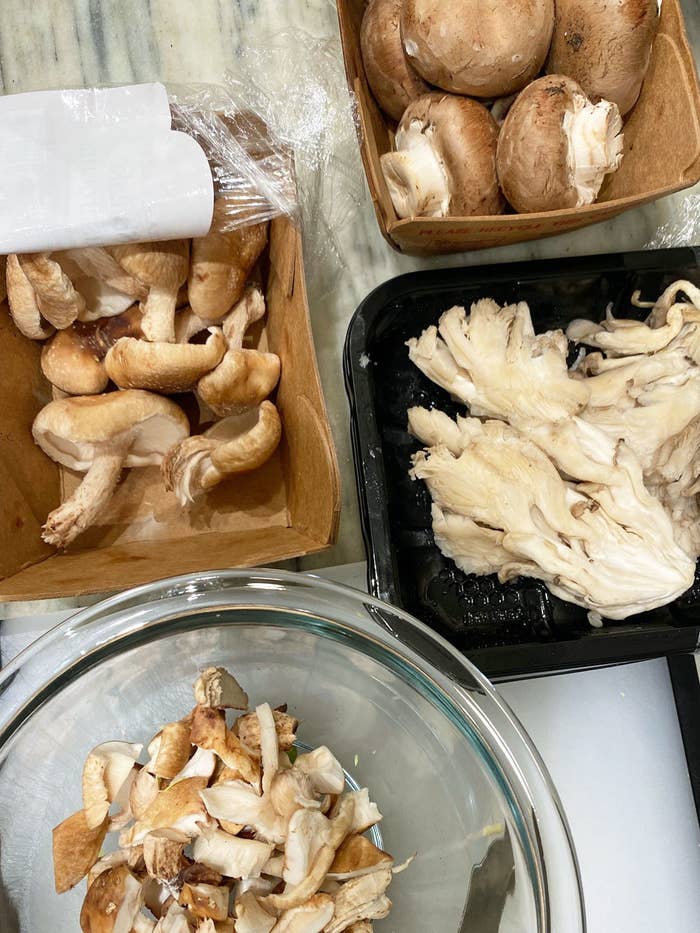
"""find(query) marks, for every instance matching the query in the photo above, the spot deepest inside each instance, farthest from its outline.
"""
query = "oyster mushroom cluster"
(507, 102)
(151, 320)
(584, 477)
(224, 829)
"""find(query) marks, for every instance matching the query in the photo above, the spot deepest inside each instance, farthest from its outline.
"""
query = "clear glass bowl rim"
(557, 885)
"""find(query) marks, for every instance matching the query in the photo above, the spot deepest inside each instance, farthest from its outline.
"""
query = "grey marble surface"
(68, 43)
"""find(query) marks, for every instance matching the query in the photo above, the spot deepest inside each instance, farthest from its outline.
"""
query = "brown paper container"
(662, 150)
(287, 509)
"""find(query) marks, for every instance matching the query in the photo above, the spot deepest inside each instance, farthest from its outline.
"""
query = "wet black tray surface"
(517, 628)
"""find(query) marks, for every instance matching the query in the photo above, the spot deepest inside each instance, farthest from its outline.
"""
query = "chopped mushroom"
(308, 831)
(75, 849)
(105, 771)
(205, 900)
(358, 856)
(201, 764)
(238, 444)
(310, 917)
(143, 924)
(365, 813)
(173, 750)
(99, 436)
(221, 263)
(162, 266)
(247, 728)
(292, 789)
(162, 854)
(22, 301)
(216, 687)
(251, 917)
(163, 367)
(209, 731)
(112, 903)
(233, 857)
(268, 745)
(178, 807)
(325, 771)
(361, 899)
(58, 301)
(176, 920)
(237, 802)
(143, 792)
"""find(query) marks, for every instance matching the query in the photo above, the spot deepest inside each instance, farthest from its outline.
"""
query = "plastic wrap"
(684, 227)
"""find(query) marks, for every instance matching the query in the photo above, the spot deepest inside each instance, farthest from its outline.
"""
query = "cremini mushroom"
(217, 688)
(361, 899)
(75, 849)
(230, 855)
(105, 771)
(556, 146)
(58, 301)
(365, 813)
(208, 730)
(205, 900)
(358, 856)
(483, 50)
(251, 917)
(163, 367)
(162, 266)
(444, 161)
(238, 444)
(22, 301)
(221, 264)
(112, 903)
(394, 81)
(247, 728)
(604, 46)
(73, 360)
(244, 377)
(162, 854)
(99, 435)
(324, 769)
(310, 917)
(178, 807)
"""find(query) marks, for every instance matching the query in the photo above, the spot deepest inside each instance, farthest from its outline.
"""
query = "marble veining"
(69, 43)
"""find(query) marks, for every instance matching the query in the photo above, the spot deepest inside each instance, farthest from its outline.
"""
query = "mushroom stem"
(79, 511)
(595, 145)
(159, 315)
(415, 175)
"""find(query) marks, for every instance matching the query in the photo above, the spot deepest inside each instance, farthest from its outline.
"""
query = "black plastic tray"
(517, 628)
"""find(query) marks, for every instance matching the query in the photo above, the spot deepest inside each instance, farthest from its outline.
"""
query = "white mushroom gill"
(415, 174)
(595, 142)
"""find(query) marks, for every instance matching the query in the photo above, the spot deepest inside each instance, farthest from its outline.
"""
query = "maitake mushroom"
(605, 46)
(556, 146)
(394, 81)
(238, 444)
(483, 50)
(99, 435)
(181, 860)
(445, 159)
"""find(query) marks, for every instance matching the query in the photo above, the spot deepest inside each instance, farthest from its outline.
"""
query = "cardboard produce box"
(662, 150)
(288, 508)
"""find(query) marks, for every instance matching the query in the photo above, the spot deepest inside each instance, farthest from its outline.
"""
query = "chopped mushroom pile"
(150, 319)
(224, 828)
(585, 477)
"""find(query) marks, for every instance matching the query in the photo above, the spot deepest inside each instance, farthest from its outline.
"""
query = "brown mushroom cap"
(73, 359)
(605, 46)
(112, 902)
(221, 264)
(394, 81)
(463, 137)
(76, 848)
(163, 367)
(536, 157)
(484, 50)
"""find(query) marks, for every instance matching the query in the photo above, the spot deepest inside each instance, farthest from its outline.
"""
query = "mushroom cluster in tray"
(223, 829)
(151, 320)
(477, 127)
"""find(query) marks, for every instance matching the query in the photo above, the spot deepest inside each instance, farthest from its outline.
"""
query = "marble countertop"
(69, 43)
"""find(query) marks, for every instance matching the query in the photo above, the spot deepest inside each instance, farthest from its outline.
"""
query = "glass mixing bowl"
(409, 717)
